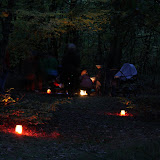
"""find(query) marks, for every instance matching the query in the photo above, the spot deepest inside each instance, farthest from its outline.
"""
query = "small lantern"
(122, 113)
(18, 129)
(83, 93)
(49, 91)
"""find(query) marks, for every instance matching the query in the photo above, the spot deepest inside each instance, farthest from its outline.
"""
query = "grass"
(138, 151)
(86, 131)
(15, 148)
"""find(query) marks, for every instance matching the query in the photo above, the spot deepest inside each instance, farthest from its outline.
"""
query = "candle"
(123, 113)
(83, 92)
(48, 91)
(18, 129)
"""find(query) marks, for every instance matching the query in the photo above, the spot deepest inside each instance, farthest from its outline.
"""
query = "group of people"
(38, 69)
(45, 70)
(42, 70)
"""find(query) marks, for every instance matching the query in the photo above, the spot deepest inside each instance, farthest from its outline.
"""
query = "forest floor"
(79, 128)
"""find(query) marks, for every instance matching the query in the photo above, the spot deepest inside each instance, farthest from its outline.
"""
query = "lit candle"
(18, 129)
(123, 113)
(48, 91)
(83, 92)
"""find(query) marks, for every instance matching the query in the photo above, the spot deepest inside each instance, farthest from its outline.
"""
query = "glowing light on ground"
(122, 113)
(83, 93)
(29, 132)
(19, 129)
(116, 114)
(49, 91)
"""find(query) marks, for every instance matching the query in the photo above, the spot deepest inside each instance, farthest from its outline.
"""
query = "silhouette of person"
(71, 67)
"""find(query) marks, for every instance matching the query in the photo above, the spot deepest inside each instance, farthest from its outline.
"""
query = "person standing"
(29, 70)
(71, 68)
(50, 66)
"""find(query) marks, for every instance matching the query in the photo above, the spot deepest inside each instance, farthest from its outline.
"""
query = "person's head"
(84, 72)
(71, 48)
(71, 45)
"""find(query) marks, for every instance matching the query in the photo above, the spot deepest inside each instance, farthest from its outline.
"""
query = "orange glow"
(93, 79)
(128, 102)
(117, 114)
(99, 66)
(29, 132)
(18, 129)
(84, 72)
(56, 84)
(83, 93)
(48, 91)
(123, 113)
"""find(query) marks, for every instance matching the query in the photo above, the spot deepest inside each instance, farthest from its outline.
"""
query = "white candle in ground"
(122, 113)
(48, 91)
(18, 129)
(83, 92)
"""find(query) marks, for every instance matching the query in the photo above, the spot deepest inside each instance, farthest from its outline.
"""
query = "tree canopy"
(105, 31)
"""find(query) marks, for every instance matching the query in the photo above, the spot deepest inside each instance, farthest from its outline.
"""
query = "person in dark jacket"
(29, 71)
(71, 68)
(99, 81)
(49, 66)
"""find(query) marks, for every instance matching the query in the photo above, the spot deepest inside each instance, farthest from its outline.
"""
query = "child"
(86, 82)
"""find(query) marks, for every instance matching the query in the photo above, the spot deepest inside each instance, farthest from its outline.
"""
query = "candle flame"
(83, 93)
(48, 91)
(123, 113)
(18, 129)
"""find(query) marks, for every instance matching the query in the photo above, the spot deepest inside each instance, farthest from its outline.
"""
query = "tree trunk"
(99, 56)
(6, 29)
(73, 4)
(53, 6)
(114, 60)
(72, 32)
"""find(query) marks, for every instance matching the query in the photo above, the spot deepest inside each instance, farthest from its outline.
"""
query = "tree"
(107, 29)
(6, 26)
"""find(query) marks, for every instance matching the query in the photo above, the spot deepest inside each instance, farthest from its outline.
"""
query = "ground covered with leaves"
(89, 127)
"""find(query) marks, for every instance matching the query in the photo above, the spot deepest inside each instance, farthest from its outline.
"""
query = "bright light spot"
(48, 91)
(123, 113)
(18, 129)
(99, 66)
(83, 93)
(93, 79)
